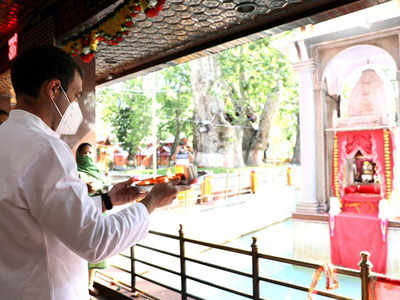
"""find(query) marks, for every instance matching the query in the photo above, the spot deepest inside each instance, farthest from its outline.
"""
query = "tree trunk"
(177, 133)
(216, 142)
(258, 140)
(249, 134)
(296, 151)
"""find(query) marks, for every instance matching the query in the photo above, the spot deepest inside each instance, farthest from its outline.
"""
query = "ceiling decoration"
(183, 29)
(178, 24)
(111, 29)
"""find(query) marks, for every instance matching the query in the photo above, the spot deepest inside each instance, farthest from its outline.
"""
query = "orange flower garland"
(388, 163)
(112, 29)
(336, 169)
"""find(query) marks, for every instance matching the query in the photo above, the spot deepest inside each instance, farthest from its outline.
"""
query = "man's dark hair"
(3, 112)
(39, 64)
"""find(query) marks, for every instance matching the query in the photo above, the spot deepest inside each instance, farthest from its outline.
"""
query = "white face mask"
(72, 118)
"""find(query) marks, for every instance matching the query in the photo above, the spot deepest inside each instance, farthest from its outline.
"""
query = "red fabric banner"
(351, 234)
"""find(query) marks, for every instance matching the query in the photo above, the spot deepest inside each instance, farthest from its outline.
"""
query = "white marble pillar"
(307, 203)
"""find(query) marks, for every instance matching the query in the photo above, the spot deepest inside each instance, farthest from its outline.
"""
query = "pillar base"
(308, 208)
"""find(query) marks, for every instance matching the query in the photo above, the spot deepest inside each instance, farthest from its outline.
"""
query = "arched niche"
(344, 72)
(323, 53)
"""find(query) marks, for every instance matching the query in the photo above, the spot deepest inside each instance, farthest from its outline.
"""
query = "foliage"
(128, 110)
(251, 72)
(287, 117)
(127, 107)
(175, 111)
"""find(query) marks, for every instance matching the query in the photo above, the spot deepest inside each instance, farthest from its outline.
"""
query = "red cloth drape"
(351, 234)
(371, 144)
(384, 289)
(361, 203)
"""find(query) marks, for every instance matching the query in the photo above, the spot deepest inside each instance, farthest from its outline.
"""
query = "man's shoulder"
(45, 144)
(53, 152)
(58, 145)
(25, 139)
(42, 140)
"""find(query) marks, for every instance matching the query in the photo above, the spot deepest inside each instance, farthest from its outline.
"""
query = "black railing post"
(133, 272)
(256, 280)
(365, 269)
(183, 262)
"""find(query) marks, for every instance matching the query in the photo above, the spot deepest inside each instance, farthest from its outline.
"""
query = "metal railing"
(222, 186)
(363, 274)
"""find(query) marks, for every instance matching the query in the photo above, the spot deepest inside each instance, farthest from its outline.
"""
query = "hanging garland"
(112, 29)
(336, 169)
(388, 165)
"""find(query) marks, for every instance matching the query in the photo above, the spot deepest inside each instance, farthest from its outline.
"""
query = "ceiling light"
(110, 61)
(245, 7)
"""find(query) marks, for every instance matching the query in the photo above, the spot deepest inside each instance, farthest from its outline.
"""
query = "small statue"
(367, 172)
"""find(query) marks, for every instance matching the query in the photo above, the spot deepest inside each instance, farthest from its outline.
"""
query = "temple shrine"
(362, 162)
(349, 104)
(362, 174)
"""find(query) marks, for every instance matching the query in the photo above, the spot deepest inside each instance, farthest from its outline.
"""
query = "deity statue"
(363, 169)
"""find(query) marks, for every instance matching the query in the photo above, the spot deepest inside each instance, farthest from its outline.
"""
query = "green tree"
(241, 92)
(217, 143)
(257, 81)
(128, 110)
(127, 107)
(175, 103)
(287, 119)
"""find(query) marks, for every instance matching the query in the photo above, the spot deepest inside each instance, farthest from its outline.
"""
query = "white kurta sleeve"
(98, 202)
(59, 201)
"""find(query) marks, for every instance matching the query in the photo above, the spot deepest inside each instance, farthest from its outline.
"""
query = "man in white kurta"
(49, 227)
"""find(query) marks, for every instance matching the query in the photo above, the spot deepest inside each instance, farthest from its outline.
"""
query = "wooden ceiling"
(189, 29)
(183, 30)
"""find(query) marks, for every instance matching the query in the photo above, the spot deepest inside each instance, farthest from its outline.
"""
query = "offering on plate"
(185, 176)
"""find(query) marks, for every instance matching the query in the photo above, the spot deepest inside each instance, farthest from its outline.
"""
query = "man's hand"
(123, 193)
(162, 194)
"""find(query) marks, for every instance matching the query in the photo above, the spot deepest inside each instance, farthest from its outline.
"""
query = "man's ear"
(52, 88)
